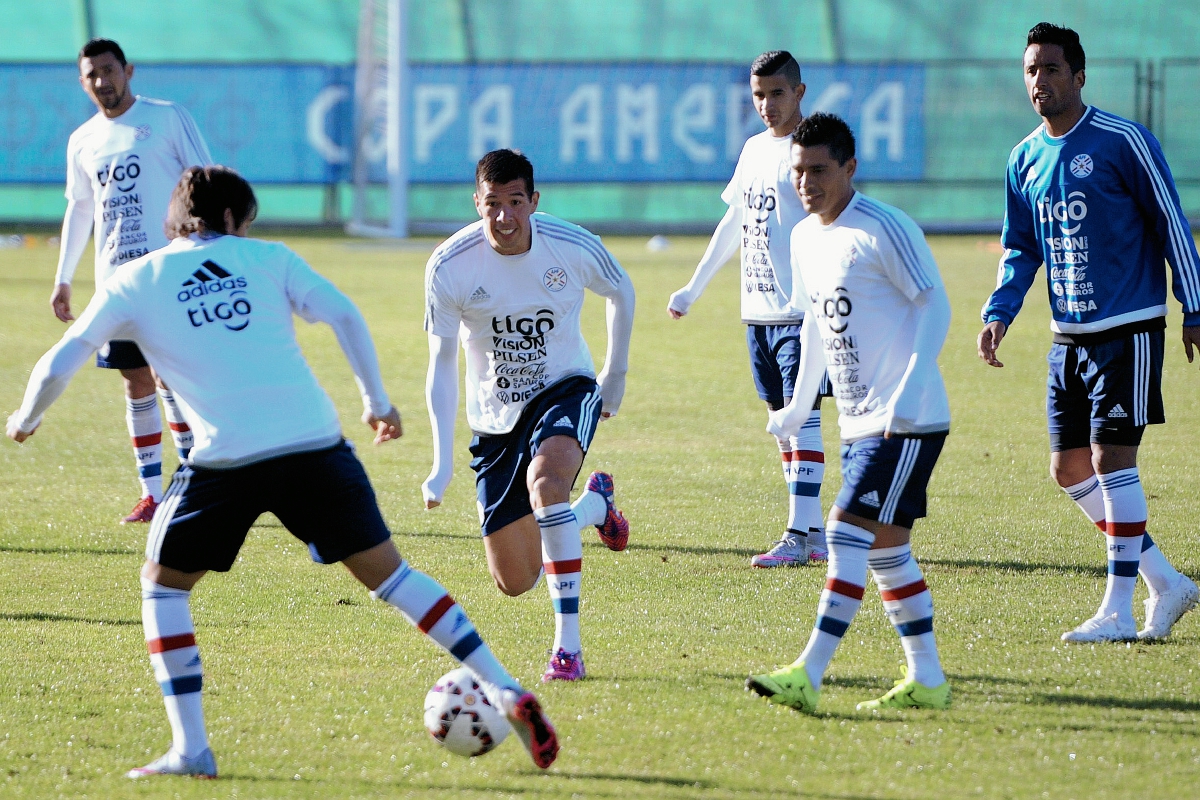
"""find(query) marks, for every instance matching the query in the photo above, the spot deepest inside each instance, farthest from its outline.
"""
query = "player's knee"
(513, 585)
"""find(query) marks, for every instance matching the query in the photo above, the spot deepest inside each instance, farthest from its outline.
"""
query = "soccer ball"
(461, 717)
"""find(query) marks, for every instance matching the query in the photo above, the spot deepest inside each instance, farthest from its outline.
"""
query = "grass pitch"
(313, 690)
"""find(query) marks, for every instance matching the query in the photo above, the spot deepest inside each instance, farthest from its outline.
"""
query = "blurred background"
(633, 111)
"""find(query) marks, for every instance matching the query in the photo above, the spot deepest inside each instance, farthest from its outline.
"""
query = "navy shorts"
(775, 363)
(568, 408)
(885, 479)
(1105, 393)
(120, 354)
(323, 498)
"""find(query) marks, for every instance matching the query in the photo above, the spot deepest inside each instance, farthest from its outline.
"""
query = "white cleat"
(1165, 610)
(1103, 629)
(790, 551)
(202, 766)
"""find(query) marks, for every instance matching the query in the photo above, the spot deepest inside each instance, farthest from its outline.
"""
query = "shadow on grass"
(37, 616)
(77, 551)
(695, 551)
(1016, 566)
(1159, 704)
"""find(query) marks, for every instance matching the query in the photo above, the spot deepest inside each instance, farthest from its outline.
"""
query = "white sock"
(181, 434)
(590, 509)
(845, 579)
(426, 604)
(1154, 568)
(562, 558)
(909, 607)
(145, 430)
(171, 640)
(1125, 520)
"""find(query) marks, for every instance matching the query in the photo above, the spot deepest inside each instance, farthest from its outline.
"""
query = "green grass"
(313, 690)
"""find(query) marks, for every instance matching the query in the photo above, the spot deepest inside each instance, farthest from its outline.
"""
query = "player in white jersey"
(213, 311)
(878, 311)
(511, 287)
(763, 209)
(121, 167)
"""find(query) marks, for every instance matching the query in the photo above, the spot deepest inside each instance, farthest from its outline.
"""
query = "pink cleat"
(614, 531)
(564, 666)
(142, 512)
(531, 726)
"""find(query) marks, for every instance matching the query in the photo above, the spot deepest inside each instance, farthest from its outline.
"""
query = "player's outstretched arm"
(787, 421)
(77, 227)
(619, 313)
(721, 247)
(933, 323)
(441, 397)
(989, 342)
(325, 303)
(49, 378)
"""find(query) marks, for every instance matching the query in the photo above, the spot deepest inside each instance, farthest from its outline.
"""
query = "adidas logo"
(1117, 412)
(871, 499)
(480, 294)
(211, 278)
(215, 272)
(564, 422)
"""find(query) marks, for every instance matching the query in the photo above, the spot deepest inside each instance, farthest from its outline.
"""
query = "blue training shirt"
(1098, 207)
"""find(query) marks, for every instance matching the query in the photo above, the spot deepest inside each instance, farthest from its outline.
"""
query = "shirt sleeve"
(605, 275)
(1153, 188)
(1022, 254)
(299, 280)
(443, 311)
(79, 184)
(108, 316)
(905, 255)
(732, 195)
(190, 145)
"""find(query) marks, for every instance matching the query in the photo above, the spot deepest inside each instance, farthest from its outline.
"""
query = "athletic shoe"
(533, 729)
(143, 511)
(787, 686)
(790, 551)
(1103, 629)
(1165, 610)
(564, 666)
(817, 555)
(202, 766)
(907, 693)
(614, 531)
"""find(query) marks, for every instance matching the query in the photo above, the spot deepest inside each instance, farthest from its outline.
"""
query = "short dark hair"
(826, 129)
(1067, 39)
(777, 62)
(503, 166)
(97, 47)
(199, 200)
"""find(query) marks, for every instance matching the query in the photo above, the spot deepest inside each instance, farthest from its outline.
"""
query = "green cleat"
(907, 693)
(787, 686)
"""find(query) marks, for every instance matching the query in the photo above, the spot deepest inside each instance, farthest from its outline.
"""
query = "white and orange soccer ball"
(461, 718)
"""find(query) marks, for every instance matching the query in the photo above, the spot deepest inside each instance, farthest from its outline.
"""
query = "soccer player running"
(763, 209)
(512, 287)
(121, 167)
(267, 439)
(1090, 195)
(881, 315)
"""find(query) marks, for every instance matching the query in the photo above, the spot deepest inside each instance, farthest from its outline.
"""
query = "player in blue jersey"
(1090, 195)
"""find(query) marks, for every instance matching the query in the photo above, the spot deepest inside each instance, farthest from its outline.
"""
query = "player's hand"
(13, 429)
(612, 390)
(989, 341)
(433, 489)
(387, 427)
(1191, 336)
(60, 302)
(679, 304)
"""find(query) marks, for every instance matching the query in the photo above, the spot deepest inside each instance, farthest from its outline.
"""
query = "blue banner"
(292, 123)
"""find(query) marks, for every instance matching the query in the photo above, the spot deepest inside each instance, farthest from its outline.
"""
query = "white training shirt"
(762, 188)
(862, 274)
(214, 319)
(517, 316)
(129, 166)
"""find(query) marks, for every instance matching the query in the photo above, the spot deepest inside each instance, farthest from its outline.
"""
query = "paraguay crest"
(1081, 165)
(555, 279)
